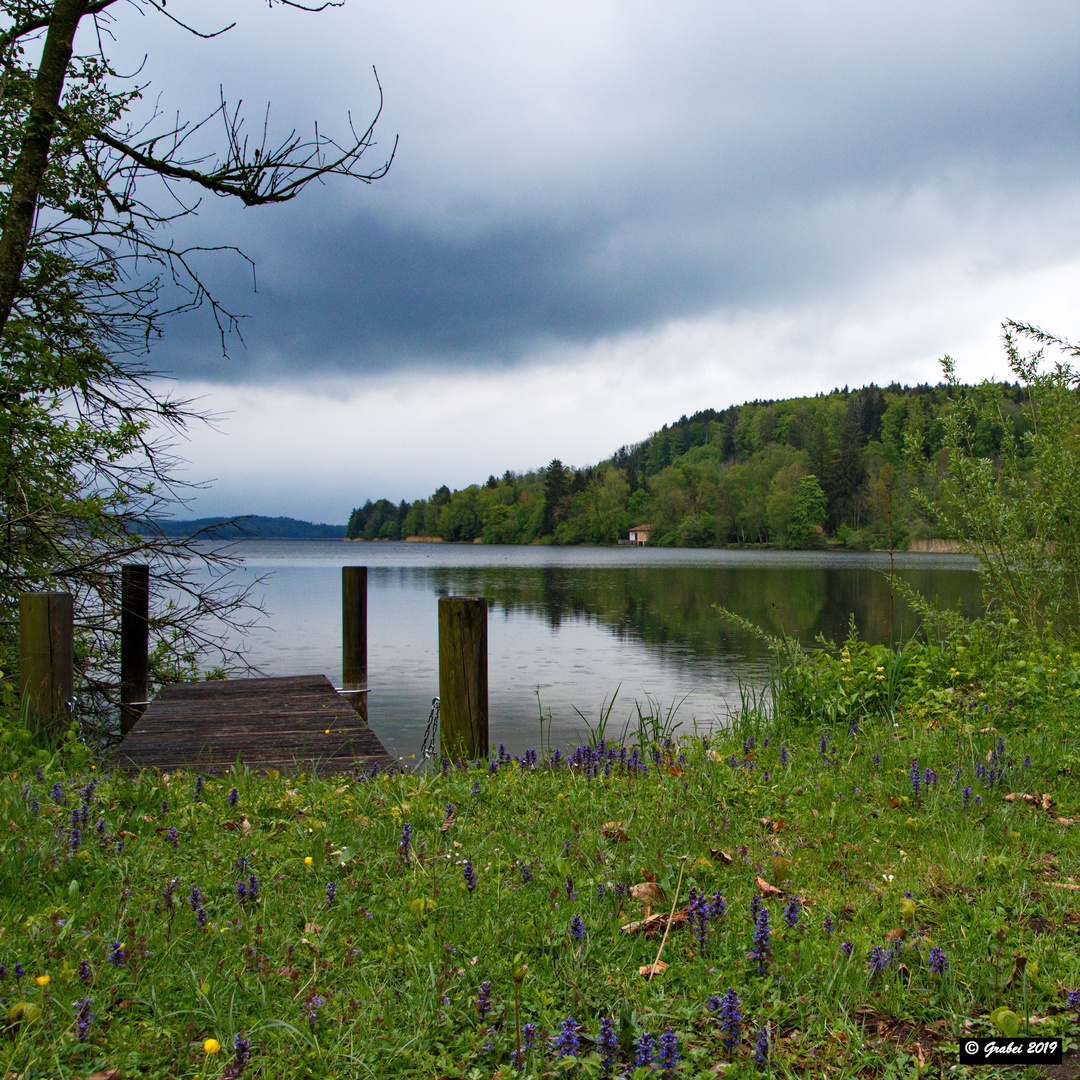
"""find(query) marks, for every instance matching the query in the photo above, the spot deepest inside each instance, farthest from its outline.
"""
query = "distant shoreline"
(243, 526)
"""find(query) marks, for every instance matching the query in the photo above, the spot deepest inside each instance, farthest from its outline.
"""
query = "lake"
(568, 628)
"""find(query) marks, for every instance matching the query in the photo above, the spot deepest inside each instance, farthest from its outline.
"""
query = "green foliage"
(1017, 511)
(381, 976)
(740, 476)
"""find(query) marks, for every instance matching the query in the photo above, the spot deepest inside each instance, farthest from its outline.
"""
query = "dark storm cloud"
(786, 152)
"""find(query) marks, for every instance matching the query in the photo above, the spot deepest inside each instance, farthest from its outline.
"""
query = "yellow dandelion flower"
(43, 980)
(327, 731)
(211, 1046)
(307, 860)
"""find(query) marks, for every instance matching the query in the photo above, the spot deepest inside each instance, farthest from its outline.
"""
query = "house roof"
(642, 528)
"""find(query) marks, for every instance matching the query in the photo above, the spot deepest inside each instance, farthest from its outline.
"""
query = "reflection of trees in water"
(675, 605)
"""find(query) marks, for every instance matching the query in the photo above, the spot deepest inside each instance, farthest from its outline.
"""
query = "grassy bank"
(432, 925)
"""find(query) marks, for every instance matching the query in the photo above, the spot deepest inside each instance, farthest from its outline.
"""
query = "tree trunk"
(34, 153)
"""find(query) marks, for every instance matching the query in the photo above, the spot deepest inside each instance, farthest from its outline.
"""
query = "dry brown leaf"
(898, 933)
(894, 802)
(648, 892)
(647, 875)
(723, 856)
(650, 925)
(312, 928)
(245, 826)
(106, 1074)
(613, 830)
(448, 823)
(1063, 820)
(778, 825)
(674, 770)
(649, 970)
(766, 821)
(767, 889)
(814, 812)
(126, 835)
(1065, 885)
(1019, 963)
(988, 731)
(1046, 801)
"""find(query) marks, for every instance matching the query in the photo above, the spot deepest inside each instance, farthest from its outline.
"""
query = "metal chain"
(427, 748)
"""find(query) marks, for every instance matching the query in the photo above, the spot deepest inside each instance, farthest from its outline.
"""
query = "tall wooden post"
(463, 677)
(134, 643)
(46, 669)
(354, 638)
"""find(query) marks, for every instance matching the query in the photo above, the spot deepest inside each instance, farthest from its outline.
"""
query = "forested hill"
(251, 525)
(836, 468)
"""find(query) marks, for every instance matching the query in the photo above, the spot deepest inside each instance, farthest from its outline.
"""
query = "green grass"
(385, 980)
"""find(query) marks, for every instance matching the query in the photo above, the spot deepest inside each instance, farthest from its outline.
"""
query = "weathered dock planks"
(293, 724)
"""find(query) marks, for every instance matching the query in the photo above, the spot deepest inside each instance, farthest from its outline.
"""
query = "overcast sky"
(603, 215)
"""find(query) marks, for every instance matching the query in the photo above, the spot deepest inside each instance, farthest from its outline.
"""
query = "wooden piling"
(354, 638)
(46, 670)
(134, 643)
(463, 677)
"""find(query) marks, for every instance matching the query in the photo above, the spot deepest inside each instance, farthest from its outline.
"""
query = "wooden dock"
(294, 724)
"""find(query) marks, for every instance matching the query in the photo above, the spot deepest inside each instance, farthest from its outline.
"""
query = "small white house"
(639, 534)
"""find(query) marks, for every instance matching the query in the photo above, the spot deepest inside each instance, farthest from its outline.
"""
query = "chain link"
(427, 749)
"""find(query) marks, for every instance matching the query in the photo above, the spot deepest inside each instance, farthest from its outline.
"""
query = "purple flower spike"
(668, 1057)
(567, 1045)
(483, 1000)
(470, 876)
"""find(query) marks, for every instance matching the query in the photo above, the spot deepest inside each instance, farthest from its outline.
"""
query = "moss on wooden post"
(354, 638)
(463, 677)
(46, 671)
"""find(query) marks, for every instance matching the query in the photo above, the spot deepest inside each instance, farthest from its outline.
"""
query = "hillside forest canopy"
(839, 468)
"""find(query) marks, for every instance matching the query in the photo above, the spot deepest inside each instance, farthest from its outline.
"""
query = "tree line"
(836, 468)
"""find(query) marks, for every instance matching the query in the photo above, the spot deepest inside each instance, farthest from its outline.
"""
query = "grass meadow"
(784, 900)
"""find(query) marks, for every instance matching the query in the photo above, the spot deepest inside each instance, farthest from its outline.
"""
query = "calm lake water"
(571, 627)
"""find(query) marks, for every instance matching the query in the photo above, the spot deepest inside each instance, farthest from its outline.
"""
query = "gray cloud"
(569, 173)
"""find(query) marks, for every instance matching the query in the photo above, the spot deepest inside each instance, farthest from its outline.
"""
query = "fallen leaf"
(1019, 963)
(126, 835)
(780, 866)
(613, 830)
(894, 802)
(766, 821)
(988, 731)
(1063, 820)
(106, 1074)
(1065, 885)
(448, 823)
(674, 770)
(767, 889)
(898, 933)
(778, 825)
(312, 928)
(649, 970)
(814, 812)
(245, 826)
(723, 856)
(648, 892)
(649, 926)
(1046, 801)
(646, 875)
